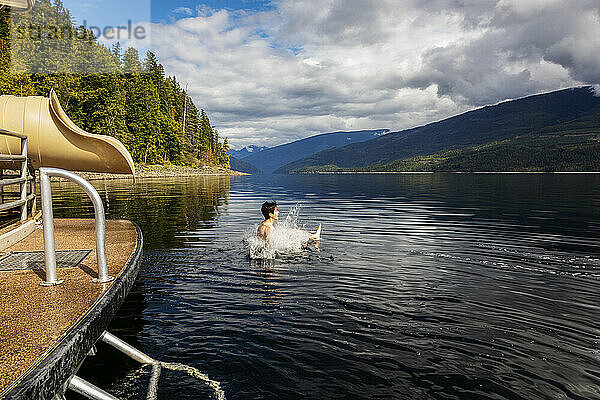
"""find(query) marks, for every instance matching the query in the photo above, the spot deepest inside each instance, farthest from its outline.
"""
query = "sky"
(270, 72)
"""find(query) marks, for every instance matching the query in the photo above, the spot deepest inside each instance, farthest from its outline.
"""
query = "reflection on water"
(163, 208)
(270, 285)
(441, 286)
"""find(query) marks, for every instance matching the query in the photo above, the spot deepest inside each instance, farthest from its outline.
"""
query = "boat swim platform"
(46, 332)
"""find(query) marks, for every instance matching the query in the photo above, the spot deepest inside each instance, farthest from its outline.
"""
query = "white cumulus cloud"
(310, 66)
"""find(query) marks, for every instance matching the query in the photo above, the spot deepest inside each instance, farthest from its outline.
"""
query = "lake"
(424, 286)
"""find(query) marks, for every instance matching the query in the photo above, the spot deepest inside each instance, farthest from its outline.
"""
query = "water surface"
(433, 286)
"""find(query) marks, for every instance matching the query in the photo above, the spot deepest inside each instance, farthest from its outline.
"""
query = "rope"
(137, 355)
(153, 384)
(191, 371)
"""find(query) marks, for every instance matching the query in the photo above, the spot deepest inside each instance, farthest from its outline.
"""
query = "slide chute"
(53, 140)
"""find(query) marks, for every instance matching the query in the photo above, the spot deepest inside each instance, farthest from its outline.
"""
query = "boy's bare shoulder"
(264, 228)
(263, 225)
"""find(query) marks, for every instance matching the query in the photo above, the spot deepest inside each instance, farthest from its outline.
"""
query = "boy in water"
(271, 213)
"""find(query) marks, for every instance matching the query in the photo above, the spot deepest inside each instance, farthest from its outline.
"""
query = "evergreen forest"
(120, 93)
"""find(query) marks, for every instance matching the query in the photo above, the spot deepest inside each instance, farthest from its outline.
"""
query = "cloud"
(88, 4)
(524, 47)
(183, 11)
(310, 66)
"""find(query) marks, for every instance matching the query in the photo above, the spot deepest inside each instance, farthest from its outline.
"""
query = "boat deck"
(34, 319)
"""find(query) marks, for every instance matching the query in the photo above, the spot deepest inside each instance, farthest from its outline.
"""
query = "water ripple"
(424, 286)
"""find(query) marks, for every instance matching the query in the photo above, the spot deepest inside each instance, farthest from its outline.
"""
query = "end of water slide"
(54, 140)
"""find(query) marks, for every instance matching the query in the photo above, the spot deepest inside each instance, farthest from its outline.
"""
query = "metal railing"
(93, 392)
(22, 179)
(48, 221)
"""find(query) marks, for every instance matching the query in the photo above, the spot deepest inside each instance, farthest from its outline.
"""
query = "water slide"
(53, 140)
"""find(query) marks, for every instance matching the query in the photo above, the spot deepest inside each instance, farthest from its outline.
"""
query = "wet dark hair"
(268, 207)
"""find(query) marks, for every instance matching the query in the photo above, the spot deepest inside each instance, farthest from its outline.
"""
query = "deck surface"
(33, 317)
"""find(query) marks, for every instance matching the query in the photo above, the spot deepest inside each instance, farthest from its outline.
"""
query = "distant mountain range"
(557, 131)
(246, 151)
(270, 159)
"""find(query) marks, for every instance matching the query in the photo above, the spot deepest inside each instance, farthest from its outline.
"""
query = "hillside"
(573, 113)
(272, 158)
(242, 166)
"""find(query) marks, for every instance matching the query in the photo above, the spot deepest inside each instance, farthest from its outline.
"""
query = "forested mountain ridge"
(547, 127)
(242, 166)
(131, 99)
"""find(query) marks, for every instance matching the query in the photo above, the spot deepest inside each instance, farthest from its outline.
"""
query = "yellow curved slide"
(53, 140)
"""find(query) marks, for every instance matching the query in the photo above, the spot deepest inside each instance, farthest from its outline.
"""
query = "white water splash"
(287, 238)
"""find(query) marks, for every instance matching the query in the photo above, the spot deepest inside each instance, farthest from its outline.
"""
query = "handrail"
(48, 221)
(16, 203)
(14, 181)
(12, 157)
(22, 179)
(8, 132)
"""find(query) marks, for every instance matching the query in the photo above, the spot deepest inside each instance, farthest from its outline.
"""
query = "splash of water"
(287, 238)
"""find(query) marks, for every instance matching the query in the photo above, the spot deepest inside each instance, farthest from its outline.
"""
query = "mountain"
(526, 153)
(242, 166)
(246, 151)
(272, 158)
(566, 121)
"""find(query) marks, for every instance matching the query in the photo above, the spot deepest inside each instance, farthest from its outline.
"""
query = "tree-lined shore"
(163, 171)
(123, 95)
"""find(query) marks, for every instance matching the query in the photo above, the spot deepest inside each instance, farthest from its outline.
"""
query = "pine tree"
(111, 92)
(116, 53)
(131, 61)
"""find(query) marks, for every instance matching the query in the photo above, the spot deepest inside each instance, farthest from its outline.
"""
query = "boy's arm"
(261, 232)
(268, 231)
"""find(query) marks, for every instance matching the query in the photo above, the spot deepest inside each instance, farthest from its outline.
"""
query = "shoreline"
(171, 171)
(443, 172)
(163, 171)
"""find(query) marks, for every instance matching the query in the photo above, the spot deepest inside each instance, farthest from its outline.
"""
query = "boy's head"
(268, 208)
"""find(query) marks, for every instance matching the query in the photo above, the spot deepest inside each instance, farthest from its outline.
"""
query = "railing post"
(24, 173)
(88, 390)
(32, 190)
(48, 221)
(126, 348)
(22, 179)
(46, 190)
(1, 186)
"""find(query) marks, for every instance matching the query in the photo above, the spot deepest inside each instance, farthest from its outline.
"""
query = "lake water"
(424, 286)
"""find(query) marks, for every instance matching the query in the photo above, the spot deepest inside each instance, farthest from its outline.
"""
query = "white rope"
(137, 355)
(153, 384)
(191, 371)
